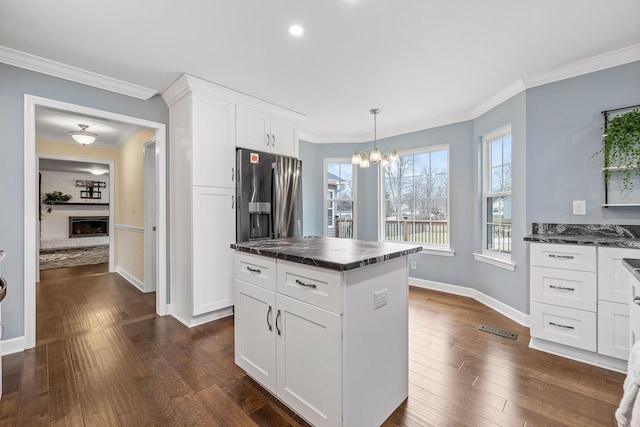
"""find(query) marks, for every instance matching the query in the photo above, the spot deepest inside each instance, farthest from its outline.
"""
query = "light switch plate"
(579, 207)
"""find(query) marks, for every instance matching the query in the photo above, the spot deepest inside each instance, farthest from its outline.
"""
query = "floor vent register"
(500, 332)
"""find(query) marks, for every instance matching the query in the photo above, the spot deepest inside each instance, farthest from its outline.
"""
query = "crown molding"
(74, 74)
(596, 63)
(126, 136)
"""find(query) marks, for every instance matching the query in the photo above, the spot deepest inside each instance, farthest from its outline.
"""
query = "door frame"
(31, 202)
(150, 212)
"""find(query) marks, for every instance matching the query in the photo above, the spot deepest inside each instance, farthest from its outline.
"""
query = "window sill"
(496, 262)
(431, 250)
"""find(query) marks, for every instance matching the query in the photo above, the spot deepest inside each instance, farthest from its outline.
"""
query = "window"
(340, 190)
(497, 193)
(416, 198)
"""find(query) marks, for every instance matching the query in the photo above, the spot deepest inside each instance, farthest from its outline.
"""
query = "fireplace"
(88, 226)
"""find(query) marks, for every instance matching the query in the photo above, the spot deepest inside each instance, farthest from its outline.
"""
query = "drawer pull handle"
(560, 256)
(636, 300)
(562, 288)
(278, 318)
(308, 285)
(254, 270)
(268, 316)
(561, 326)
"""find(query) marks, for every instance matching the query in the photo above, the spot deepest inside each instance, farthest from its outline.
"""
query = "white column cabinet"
(212, 259)
(261, 131)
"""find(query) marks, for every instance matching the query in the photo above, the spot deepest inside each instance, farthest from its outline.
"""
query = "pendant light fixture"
(364, 160)
(82, 136)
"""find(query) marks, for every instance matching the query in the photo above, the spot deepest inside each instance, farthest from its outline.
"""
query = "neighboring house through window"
(416, 198)
(340, 194)
(496, 175)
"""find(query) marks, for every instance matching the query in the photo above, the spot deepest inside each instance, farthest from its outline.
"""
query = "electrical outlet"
(579, 207)
(379, 299)
(414, 264)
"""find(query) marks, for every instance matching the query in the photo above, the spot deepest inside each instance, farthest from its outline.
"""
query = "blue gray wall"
(564, 129)
(14, 84)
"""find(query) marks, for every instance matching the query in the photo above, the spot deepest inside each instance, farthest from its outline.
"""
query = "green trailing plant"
(622, 147)
(55, 197)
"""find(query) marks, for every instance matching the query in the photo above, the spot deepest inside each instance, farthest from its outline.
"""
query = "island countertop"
(325, 252)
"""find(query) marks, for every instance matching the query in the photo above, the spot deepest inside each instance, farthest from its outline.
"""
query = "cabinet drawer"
(256, 269)
(575, 328)
(316, 286)
(568, 288)
(570, 257)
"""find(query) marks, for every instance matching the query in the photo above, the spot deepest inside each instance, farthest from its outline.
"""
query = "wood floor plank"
(102, 357)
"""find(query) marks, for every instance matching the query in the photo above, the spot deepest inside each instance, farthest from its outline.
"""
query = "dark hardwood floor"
(103, 358)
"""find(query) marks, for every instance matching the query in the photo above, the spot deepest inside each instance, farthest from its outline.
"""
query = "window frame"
(427, 248)
(487, 140)
(354, 194)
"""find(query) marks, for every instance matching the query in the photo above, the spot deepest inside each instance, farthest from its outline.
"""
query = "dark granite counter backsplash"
(623, 236)
(330, 253)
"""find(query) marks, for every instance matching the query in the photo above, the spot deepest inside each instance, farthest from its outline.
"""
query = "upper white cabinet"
(259, 130)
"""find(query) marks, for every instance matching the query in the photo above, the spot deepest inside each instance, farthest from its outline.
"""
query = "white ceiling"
(56, 165)
(420, 61)
(55, 125)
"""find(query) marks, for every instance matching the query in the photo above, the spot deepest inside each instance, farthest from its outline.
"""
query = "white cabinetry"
(579, 303)
(262, 131)
(294, 336)
(202, 211)
(613, 301)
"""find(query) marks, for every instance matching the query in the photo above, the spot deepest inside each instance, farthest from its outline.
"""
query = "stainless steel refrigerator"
(268, 196)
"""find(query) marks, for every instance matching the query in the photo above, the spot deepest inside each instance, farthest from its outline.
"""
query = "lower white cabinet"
(579, 302)
(293, 349)
(316, 339)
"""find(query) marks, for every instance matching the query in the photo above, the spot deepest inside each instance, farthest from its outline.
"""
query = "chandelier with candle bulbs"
(364, 160)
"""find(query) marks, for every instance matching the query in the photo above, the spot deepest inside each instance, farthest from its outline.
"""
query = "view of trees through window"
(498, 195)
(340, 198)
(416, 193)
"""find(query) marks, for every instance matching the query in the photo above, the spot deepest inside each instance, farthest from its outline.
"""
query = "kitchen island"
(322, 323)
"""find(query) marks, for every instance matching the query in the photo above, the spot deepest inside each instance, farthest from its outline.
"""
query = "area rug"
(71, 257)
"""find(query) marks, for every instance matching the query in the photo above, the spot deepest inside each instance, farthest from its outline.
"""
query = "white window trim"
(354, 193)
(492, 257)
(326, 203)
(497, 262)
(426, 249)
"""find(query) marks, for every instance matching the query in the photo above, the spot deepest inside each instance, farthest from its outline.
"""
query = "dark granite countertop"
(620, 236)
(633, 265)
(330, 253)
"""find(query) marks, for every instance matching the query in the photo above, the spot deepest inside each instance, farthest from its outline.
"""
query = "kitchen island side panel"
(375, 342)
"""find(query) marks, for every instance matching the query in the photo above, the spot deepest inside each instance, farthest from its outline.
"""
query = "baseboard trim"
(492, 303)
(205, 318)
(13, 345)
(131, 279)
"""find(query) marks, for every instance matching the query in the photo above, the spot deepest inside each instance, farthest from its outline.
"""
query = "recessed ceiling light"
(296, 30)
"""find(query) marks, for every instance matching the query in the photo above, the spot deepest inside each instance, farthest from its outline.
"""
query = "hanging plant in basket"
(622, 147)
(55, 197)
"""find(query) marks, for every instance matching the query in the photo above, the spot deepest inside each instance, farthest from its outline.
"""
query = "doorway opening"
(32, 205)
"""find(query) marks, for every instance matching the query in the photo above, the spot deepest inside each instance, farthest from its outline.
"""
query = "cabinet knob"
(636, 300)
(267, 137)
(273, 140)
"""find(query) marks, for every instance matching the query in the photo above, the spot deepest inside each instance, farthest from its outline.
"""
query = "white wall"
(54, 225)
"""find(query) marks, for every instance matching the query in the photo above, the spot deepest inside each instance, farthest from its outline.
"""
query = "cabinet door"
(309, 360)
(214, 144)
(254, 328)
(613, 329)
(213, 229)
(284, 138)
(613, 279)
(252, 129)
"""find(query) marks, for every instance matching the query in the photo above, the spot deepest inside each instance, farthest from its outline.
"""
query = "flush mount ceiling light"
(364, 160)
(296, 30)
(82, 136)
